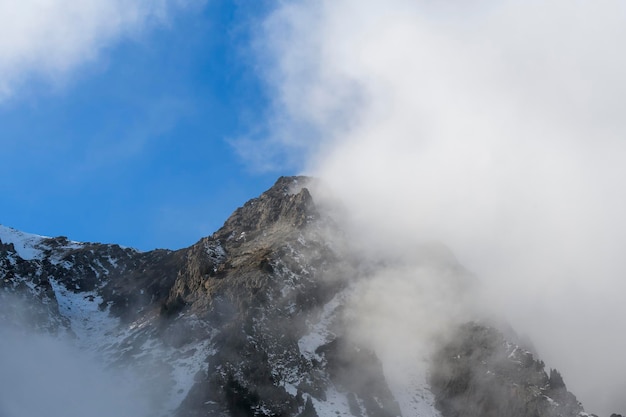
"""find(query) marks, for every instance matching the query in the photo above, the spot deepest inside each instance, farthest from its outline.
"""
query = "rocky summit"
(256, 320)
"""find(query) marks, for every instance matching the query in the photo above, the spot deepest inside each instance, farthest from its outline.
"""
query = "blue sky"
(131, 145)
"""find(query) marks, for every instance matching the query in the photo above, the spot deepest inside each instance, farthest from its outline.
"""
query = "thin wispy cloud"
(50, 39)
(495, 127)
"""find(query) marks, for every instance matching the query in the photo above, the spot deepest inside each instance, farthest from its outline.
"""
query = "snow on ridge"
(25, 244)
(30, 246)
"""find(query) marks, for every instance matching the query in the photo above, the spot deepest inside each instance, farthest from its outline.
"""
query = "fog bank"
(495, 127)
(44, 375)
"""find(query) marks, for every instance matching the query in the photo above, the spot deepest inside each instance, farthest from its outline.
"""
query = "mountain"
(263, 318)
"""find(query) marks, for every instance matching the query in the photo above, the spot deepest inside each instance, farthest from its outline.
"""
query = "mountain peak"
(286, 205)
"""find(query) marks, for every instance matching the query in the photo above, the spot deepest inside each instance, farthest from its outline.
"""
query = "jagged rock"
(478, 373)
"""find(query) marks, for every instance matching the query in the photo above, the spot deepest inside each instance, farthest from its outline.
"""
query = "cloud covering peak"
(495, 127)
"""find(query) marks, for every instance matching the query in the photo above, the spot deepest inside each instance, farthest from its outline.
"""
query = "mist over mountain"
(281, 312)
(494, 127)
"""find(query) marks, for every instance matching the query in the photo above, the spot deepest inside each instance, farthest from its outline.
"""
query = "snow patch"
(184, 370)
(551, 401)
(336, 404)
(320, 333)
(134, 348)
(91, 325)
(412, 392)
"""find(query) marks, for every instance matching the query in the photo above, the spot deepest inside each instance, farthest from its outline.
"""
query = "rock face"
(480, 373)
(250, 322)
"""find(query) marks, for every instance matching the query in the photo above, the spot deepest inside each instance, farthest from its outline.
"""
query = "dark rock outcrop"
(478, 373)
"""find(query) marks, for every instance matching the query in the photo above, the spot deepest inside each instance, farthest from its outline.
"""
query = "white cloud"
(495, 127)
(49, 39)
